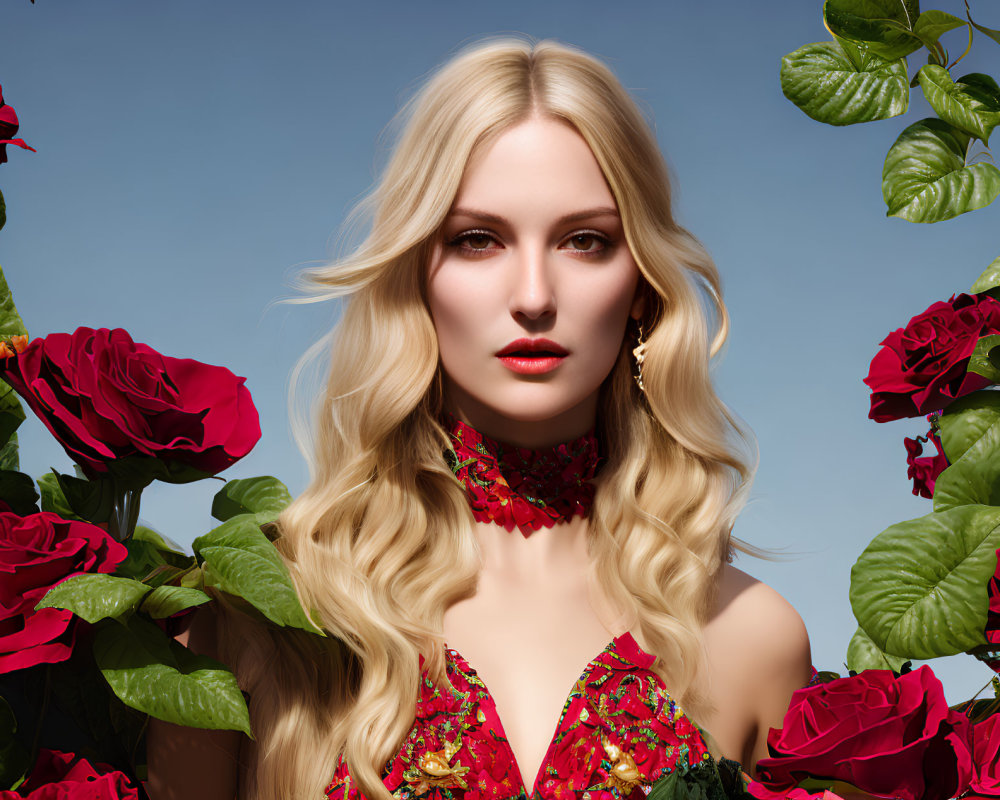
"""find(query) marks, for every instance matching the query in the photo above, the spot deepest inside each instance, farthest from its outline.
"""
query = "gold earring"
(639, 351)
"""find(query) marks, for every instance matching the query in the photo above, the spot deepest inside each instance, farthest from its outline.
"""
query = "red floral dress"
(619, 732)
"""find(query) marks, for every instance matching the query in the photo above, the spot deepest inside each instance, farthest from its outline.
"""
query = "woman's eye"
(587, 242)
(473, 242)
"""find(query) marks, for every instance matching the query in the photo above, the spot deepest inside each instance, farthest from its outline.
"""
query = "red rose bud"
(889, 736)
(986, 756)
(106, 398)
(12, 345)
(60, 775)
(8, 127)
(36, 553)
(923, 367)
(924, 471)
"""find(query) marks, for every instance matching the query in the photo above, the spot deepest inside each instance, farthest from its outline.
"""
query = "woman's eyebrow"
(576, 216)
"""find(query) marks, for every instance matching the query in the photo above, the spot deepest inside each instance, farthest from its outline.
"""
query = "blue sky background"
(193, 156)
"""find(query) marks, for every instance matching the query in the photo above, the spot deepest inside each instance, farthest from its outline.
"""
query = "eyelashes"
(600, 244)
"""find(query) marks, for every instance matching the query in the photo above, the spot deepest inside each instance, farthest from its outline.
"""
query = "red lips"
(531, 346)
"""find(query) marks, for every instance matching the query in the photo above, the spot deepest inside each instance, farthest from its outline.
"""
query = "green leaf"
(919, 588)
(863, 653)
(980, 361)
(148, 552)
(972, 103)
(884, 25)
(165, 601)
(974, 478)
(264, 496)
(93, 501)
(990, 279)
(11, 415)
(18, 491)
(966, 420)
(14, 759)
(162, 543)
(832, 87)
(931, 24)
(925, 178)
(53, 498)
(154, 674)
(241, 561)
(10, 320)
(993, 34)
(95, 596)
(8, 454)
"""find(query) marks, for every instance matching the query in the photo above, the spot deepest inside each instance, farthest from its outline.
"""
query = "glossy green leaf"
(863, 653)
(53, 498)
(11, 417)
(980, 361)
(828, 85)
(8, 454)
(990, 279)
(10, 320)
(974, 478)
(164, 544)
(90, 500)
(165, 601)
(972, 103)
(264, 496)
(919, 588)
(18, 491)
(884, 25)
(966, 420)
(932, 24)
(993, 34)
(241, 561)
(925, 179)
(96, 596)
(150, 672)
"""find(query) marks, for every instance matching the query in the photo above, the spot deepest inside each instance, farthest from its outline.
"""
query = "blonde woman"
(517, 533)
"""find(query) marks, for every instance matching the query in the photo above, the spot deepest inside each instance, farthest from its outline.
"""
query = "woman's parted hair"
(379, 544)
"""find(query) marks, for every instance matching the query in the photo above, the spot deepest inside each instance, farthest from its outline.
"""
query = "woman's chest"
(617, 732)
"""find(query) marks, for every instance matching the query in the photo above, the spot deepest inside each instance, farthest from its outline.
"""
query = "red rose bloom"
(923, 367)
(993, 615)
(36, 553)
(887, 735)
(8, 127)
(105, 398)
(986, 756)
(924, 471)
(56, 777)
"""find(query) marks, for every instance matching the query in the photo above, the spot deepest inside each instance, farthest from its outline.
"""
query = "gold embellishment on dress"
(624, 775)
(435, 769)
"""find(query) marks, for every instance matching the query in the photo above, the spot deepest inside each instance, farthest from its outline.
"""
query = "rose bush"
(59, 776)
(924, 471)
(108, 399)
(922, 368)
(37, 552)
(885, 734)
(8, 127)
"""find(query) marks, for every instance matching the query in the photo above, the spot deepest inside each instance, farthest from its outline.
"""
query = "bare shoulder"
(758, 651)
(757, 619)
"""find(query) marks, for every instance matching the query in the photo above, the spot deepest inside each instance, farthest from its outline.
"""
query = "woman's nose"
(532, 292)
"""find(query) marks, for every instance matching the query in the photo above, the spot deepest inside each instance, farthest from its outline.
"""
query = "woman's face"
(531, 286)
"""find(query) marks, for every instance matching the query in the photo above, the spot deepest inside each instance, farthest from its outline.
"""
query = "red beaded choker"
(517, 486)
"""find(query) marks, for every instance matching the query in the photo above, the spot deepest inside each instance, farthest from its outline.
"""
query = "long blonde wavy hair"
(380, 545)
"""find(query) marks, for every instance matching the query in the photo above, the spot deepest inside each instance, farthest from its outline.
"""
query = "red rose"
(887, 735)
(105, 398)
(923, 367)
(993, 615)
(8, 127)
(924, 471)
(56, 777)
(986, 756)
(36, 553)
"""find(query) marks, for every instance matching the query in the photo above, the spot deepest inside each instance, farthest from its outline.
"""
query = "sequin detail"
(516, 486)
(619, 732)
